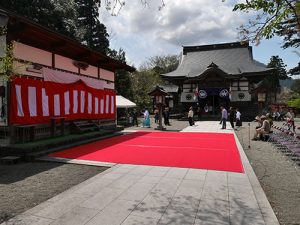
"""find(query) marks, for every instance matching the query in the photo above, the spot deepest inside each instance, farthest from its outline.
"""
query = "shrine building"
(53, 85)
(210, 76)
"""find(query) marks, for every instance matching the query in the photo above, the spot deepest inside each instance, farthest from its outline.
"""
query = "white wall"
(31, 54)
(90, 71)
(35, 55)
(109, 85)
(65, 63)
(241, 85)
(107, 75)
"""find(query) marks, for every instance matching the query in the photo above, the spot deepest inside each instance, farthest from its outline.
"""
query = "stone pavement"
(149, 195)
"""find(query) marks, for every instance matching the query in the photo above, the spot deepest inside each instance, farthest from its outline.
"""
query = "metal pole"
(213, 109)
(249, 135)
(160, 116)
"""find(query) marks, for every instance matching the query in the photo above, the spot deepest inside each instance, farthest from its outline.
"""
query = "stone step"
(10, 159)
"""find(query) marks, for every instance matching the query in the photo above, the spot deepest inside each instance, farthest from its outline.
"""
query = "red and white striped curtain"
(35, 101)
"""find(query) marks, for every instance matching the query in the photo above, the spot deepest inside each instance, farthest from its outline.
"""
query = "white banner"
(67, 78)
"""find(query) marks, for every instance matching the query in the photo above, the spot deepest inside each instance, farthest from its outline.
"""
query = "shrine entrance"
(211, 99)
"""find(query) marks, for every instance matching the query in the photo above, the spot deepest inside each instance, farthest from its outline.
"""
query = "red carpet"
(213, 151)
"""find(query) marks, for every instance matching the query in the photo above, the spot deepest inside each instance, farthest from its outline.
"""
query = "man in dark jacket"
(231, 116)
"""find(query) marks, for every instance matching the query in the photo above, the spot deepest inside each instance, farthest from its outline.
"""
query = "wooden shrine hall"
(56, 85)
(210, 76)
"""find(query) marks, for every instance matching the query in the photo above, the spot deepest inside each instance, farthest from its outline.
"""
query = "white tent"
(122, 102)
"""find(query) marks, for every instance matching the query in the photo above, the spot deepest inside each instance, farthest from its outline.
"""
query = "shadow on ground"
(25, 185)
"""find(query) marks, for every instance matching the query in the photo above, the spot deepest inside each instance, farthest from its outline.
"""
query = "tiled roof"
(170, 88)
(232, 60)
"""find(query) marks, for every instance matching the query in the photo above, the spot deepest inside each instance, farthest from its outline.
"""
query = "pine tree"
(277, 63)
(295, 70)
(289, 30)
(57, 15)
(94, 33)
(122, 78)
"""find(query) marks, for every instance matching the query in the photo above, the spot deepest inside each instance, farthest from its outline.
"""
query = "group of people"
(146, 117)
(165, 114)
(265, 123)
(263, 128)
(233, 115)
(133, 118)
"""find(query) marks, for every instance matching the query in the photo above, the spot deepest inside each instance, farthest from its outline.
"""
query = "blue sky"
(271, 47)
(144, 32)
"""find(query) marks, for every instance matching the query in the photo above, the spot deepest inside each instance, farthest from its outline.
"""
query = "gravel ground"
(24, 185)
(27, 184)
(277, 174)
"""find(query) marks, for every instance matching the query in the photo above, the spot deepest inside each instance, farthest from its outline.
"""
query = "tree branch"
(295, 14)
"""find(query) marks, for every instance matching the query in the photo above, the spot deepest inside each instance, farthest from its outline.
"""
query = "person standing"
(238, 122)
(134, 118)
(231, 116)
(290, 115)
(166, 117)
(199, 112)
(156, 115)
(206, 108)
(191, 116)
(224, 117)
(146, 122)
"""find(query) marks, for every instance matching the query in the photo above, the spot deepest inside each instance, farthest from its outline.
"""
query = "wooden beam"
(57, 44)
(102, 61)
(83, 55)
(53, 60)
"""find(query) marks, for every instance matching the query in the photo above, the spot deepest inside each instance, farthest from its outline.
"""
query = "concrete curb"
(76, 161)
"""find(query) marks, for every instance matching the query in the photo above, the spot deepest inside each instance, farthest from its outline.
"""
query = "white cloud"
(145, 31)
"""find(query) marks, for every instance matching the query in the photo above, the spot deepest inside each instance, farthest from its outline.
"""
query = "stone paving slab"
(149, 195)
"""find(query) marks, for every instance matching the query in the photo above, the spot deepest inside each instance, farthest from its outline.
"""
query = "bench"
(54, 121)
(24, 129)
(10, 159)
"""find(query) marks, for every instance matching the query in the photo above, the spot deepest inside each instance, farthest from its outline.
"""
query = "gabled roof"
(28, 32)
(231, 58)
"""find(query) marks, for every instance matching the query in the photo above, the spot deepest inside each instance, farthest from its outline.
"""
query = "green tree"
(296, 86)
(148, 77)
(280, 17)
(143, 82)
(58, 15)
(94, 33)
(163, 64)
(123, 84)
(115, 6)
(295, 101)
(289, 30)
(277, 63)
(77, 19)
